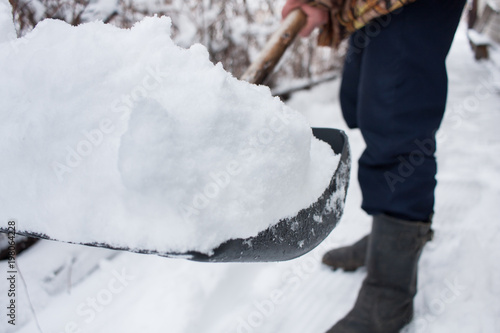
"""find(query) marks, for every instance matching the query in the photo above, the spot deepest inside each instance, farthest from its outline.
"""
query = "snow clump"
(120, 136)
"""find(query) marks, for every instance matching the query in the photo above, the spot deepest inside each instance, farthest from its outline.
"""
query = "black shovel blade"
(290, 237)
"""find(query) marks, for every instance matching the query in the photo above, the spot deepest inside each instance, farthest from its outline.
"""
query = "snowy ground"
(79, 289)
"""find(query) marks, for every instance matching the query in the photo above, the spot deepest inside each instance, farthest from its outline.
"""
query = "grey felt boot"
(385, 301)
(349, 258)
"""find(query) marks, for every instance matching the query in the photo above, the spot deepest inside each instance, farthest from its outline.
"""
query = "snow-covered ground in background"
(79, 289)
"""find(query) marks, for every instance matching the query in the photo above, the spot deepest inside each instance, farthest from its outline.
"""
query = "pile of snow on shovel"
(119, 136)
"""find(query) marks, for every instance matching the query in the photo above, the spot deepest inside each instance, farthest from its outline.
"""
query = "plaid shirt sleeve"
(347, 16)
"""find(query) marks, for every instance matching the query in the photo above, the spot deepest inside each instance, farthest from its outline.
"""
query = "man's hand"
(316, 16)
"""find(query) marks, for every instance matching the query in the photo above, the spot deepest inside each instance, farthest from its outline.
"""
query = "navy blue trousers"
(394, 89)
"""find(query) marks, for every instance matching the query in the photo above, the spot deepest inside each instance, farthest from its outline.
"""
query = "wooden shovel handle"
(275, 47)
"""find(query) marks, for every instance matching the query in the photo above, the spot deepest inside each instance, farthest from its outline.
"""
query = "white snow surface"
(86, 290)
(7, 29)
(119, 136)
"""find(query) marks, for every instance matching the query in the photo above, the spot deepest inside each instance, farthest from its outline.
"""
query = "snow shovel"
(290, 237)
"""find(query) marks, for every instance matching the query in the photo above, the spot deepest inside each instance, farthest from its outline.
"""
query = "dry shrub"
(232, 30)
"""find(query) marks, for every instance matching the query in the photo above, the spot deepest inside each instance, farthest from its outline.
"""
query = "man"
(394, 89)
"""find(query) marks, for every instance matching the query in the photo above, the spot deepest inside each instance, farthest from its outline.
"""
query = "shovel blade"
(289, 238)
